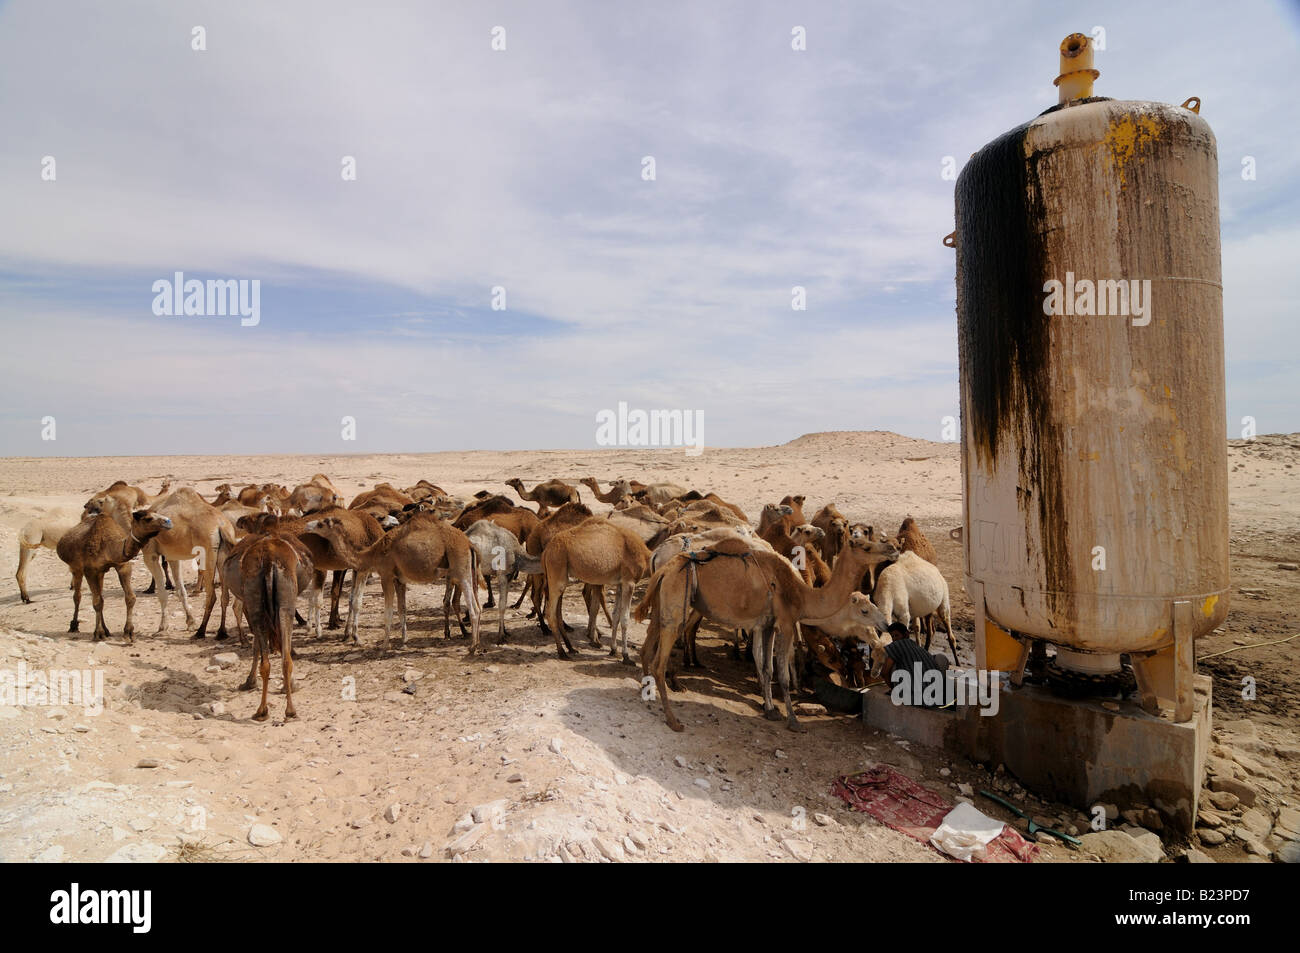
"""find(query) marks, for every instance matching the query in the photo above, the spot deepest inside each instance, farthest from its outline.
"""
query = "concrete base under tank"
(1070, 750)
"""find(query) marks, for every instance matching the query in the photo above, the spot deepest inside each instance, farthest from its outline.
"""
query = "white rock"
(141, 852)
(465, 841)
(50, 855)
(680, 761)
(263, 835)
(225, 659)
(703, 783)
(485, 813)
(393, 812)
(557, 745)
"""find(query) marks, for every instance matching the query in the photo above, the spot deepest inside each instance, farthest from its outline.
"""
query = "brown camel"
(617, 490)
(911, 539)
(548, 495)
(836, 527)
(566, 517)
(198, 531)
(740, 587)
(657, 494)
(94, 546)
(231, 584)
(384, 500)
(520, 520)
(313, 496)
(423, 549)
(642, 520)
(270, 572)
(424, 490)
(362, 530)
(596, 553)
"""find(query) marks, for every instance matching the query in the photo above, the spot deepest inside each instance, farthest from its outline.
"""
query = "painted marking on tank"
(1127, 138)
(1207, 607)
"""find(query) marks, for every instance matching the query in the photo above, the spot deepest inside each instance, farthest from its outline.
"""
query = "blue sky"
(522, 168)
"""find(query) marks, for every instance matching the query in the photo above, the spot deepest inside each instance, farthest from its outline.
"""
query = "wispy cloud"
(522, 169)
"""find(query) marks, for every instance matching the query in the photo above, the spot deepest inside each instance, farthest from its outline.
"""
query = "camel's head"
(878, 655)
(775, 511)
(515, 482)
(796, 500)
(146, 524)
(806, 533)
(321, 527)
(839, 528)
(867, 611)
(389, 521)
(862, 531)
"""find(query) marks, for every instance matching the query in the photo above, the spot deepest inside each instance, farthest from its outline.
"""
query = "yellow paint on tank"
(1128, 137)
(1207, 607)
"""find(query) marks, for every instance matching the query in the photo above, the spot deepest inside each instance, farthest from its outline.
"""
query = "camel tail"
(641, 611)
(272, 584)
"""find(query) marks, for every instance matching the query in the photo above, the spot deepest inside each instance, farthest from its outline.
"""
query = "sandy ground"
(558, 760)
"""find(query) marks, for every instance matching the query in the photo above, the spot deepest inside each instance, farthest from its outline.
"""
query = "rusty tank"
(1090, 324)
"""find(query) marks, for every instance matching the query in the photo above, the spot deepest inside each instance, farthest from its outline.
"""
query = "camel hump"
(731, 547)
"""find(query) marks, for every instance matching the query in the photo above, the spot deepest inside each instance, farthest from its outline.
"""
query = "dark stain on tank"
(1004, 338)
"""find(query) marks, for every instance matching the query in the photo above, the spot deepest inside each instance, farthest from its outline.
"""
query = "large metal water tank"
(1094, 445)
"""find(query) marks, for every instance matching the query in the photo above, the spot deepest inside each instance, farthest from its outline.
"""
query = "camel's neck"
(848, 572)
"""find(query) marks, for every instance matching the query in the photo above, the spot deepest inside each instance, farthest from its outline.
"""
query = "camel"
(420, 550)
(911, 539)
(548, 495)
(520, 520)
(95, 545)
(795, 503)
(198, 530)
(501, 554)
(312, 497)
(836, 527)
(618, 490)
(657, 494)
(776, 513)
(912, 589)
(383, 500)
(741, 587)
(362, 530)
(270, 572)
(424, 490)
(40, 532)
(132, 497)
(566, 517)
(231, 583)
(642, 520)
(597, 553)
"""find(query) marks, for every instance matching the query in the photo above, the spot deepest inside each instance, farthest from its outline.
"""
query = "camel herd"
(810, 597)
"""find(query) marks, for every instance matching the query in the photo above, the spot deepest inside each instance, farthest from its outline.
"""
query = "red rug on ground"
(897, 801)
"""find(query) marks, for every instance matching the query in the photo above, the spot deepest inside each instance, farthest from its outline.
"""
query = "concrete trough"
(1070, 750)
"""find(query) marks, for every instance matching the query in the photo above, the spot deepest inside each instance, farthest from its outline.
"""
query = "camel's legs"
(286, 646)
(208, 584)
(95, 579)
(124, 578)
(667, 632)
(336, 592)
(250, 683)
(594, 596)
(622, 612)
(77, 576)
(24, 556)
(260, 714)
(783, 676)
(552, 615)
(503, 585)
(400, 587)
(764, 639)
(475, 615)
(182, 590)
